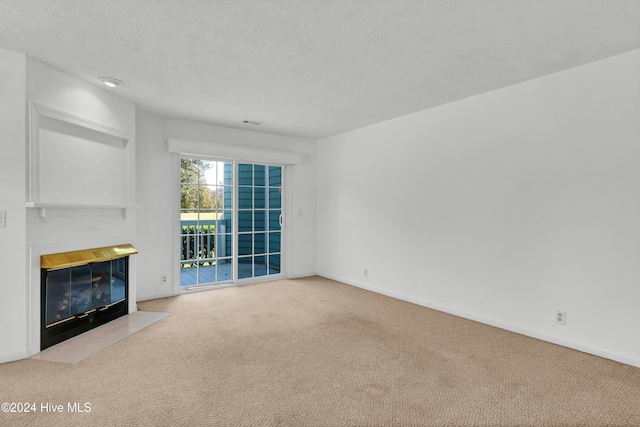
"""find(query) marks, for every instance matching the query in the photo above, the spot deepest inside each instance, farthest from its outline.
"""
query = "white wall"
(157, 191)
(502, 208)
(13, 251)
(72, 229)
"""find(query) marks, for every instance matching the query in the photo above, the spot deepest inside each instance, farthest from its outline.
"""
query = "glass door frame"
(235, 280)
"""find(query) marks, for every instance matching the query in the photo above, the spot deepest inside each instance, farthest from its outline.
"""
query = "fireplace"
(82, 290)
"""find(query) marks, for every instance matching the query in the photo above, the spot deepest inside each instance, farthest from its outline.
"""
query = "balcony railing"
(198, 244)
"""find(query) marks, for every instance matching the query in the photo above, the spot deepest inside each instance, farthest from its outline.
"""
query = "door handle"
(281, 220)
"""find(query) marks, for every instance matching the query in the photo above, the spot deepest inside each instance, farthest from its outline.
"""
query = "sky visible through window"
(215, 174)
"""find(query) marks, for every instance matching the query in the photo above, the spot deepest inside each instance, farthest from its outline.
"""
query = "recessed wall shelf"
(77, 163)
(65, 206)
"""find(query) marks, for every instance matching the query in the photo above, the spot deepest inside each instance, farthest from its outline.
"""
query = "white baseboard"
(154, 296)
(301, 275)
(12, 356)
(632, 361)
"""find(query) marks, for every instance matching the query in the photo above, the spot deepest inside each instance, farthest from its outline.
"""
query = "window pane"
(224, 269)
(206, 172)
(275, 176)
(260, 243)
(274, 264)
(188, 171)
(208, 274)
(245, 198)
(275, 198)
(206, 248)
(245, 244)
(260, 266)
(259, 197)
(207, 222)
(274, 242)
(245, 267)
(259, 172)
(189, 196)
(245, 220)
(188, 274)
(260, 220)
(207, 195)
(245, 174)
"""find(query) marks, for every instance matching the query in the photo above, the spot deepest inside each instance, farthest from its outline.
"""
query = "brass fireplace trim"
(87, 256)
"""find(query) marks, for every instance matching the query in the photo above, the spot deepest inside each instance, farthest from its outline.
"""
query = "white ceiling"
(314, 68)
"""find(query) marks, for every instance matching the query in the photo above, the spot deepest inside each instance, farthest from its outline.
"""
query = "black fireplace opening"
(79, 298)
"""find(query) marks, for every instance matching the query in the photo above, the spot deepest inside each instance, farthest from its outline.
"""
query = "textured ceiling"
(314, 68)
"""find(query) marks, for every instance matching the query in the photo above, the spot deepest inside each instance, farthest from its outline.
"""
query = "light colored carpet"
(313, 352)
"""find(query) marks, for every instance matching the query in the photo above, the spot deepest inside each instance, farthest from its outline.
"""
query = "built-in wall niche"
(76, 163)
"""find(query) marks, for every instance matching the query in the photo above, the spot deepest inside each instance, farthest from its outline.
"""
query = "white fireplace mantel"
(124, 209)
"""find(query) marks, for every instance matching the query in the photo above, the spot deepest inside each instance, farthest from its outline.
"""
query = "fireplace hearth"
(82, 290)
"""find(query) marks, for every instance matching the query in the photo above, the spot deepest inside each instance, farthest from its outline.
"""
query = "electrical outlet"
(366, 272)
(561, 317)
(163, 279)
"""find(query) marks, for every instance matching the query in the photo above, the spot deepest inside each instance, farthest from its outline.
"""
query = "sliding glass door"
(230, 221)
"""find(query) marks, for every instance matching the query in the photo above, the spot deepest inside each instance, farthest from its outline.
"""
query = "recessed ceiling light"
(111, 82)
